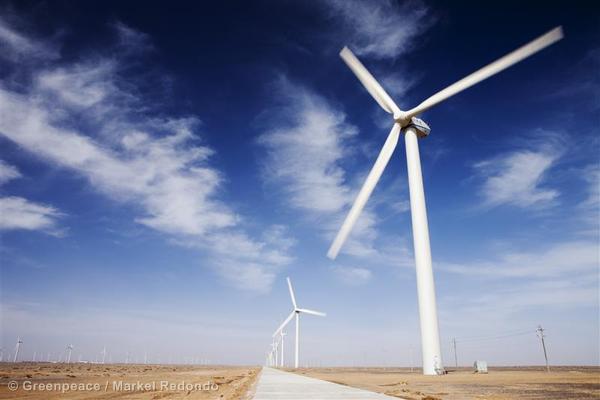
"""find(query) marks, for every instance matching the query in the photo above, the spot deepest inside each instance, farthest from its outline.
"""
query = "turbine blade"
(369, 82)
(307, 311)
(288, 319)
(365, 192)
(507, 61)
(292, 292)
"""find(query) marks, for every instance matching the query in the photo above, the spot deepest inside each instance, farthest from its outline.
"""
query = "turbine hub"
(420, 126)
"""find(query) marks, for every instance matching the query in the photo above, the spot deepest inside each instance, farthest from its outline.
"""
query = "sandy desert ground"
(117, 381)
(500, 384)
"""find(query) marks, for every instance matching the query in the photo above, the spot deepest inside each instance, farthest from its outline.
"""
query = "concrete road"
(276, 384)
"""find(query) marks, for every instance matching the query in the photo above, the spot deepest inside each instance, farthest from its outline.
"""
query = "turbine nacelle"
(420, 126)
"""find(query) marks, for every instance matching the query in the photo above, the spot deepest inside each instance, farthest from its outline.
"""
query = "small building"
(480, 367)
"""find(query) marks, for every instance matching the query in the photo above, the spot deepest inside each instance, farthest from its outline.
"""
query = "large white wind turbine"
(296, 313)
(413, 128)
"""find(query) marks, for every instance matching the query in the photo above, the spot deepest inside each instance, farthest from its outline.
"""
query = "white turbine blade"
(508, 60)
(307, 311)
(369, 82)
(384, 156)
(292, 293)
(288, 319)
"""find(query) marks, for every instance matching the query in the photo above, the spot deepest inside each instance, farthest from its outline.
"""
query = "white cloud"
(79, 85)
(305, 153)
(168, 175)
(557, 260)
(16, 46)
(381, 29)
(8, 172)
(20, 213)
(304, 158)
(87, 118)
(515, 179)
(352, 276)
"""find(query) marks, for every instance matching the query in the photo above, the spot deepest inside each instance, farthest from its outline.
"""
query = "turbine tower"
(18, 346)
(282, 334)
(414, 128)
(103, 354)
(296, 311)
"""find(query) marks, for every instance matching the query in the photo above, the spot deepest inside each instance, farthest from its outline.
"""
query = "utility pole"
(540, 333)
(455, 357)
(411, 358)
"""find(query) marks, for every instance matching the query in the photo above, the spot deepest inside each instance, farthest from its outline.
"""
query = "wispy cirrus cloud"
(559, 259)
(306, 147)
(305, 153)
(352, 276)
(303, 157)
(89, 118)
(17, 46)
(8, 172)
(380, 29)
(20, 213)
(517, 177)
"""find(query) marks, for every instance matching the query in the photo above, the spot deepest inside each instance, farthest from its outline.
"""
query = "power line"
(494, 337)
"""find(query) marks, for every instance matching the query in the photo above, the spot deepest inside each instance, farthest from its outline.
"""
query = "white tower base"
(430, 338)
(297, 339)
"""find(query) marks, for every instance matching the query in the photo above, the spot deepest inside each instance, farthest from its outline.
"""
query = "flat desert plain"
(119, 381)
(499, 384)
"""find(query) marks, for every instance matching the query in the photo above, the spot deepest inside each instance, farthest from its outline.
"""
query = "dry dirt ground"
(117, 381)
(499, 384)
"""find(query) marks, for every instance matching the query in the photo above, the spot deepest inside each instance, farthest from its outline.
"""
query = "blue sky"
(165, 168)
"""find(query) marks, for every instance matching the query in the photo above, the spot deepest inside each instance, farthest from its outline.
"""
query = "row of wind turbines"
(414, 129)
(276, 353)
(68, 353)
(100, 358)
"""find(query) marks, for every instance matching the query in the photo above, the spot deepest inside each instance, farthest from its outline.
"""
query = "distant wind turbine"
(281, 360)
(413, 128)
(18, 346)
(296, 313)
(69, 351)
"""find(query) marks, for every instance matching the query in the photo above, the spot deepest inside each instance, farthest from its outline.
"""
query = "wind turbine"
(19, 342)
(296, 312)
(282, 334)
(103, 354)
(413, 128)
(69, 351)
